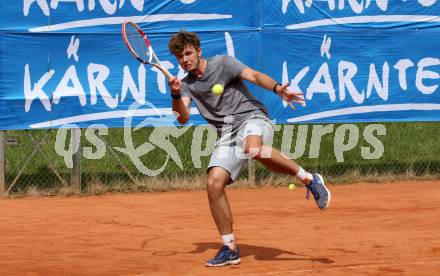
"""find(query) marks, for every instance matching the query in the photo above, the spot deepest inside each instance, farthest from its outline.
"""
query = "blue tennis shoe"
(319, 191)
(225, 256)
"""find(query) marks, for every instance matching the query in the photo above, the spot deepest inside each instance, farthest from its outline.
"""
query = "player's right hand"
(175, 85)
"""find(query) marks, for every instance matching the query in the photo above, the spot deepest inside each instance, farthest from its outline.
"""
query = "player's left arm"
(268, 83)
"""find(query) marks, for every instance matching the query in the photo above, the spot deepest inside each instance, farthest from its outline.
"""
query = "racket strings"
(137, 42)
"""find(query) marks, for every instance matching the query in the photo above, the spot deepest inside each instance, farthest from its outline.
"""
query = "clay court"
(370, 229)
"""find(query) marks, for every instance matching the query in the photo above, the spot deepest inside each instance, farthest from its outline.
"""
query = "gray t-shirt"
(234, 105)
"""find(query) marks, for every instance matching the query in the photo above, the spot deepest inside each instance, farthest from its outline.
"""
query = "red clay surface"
(368, 230)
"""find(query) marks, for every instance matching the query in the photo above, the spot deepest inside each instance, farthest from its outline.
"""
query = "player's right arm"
(180, 106)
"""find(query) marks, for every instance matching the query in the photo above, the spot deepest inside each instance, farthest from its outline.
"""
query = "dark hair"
(182, 38)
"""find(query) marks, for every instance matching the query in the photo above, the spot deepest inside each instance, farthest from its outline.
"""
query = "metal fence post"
(251, 170)
(2, 163)
(76, 159)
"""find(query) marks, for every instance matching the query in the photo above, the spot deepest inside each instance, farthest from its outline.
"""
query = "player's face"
(189, 59)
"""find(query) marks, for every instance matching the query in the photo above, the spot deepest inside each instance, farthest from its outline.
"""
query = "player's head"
(186, 47)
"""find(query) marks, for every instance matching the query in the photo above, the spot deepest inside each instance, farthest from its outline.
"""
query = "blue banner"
(348, 14)
(64, 62)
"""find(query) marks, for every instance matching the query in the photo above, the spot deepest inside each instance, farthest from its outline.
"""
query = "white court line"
(364, 19)
(137, 19)
(342, 268)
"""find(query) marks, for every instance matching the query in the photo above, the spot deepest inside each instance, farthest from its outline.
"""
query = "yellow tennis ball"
(217, 89)
(292, 186)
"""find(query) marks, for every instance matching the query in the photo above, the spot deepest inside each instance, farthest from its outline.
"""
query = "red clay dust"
(369, 229)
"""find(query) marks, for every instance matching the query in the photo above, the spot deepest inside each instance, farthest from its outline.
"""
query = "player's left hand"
(290, 96)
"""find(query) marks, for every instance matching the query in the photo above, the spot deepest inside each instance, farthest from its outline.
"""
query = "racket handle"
(163, 70)
(167, 73)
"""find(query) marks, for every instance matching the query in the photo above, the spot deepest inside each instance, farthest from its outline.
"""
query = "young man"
(242, 124)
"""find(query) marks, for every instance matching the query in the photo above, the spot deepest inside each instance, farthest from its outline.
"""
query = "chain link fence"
(134, 160)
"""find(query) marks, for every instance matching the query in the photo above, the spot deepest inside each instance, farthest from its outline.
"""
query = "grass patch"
(410, 152)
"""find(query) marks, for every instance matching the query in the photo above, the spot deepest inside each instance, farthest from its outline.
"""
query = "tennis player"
(243, 127)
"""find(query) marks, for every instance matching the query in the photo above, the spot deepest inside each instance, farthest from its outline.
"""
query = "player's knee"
(252, 147)
(215, 186)
(252, 151)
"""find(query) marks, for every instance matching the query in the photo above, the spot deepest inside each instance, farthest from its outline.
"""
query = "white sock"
(304, 176)
(229, 240)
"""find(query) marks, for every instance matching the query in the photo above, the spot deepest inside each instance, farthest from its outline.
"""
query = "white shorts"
(228, 152)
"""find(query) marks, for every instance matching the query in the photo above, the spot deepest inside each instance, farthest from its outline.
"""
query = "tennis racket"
(140, 47)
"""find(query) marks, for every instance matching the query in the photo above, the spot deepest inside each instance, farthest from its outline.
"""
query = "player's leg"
(254, 147)
(223, 168)
(257, 137)
(217, 180)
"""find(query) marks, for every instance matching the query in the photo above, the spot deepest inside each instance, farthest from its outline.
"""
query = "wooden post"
(2, 163)
(76, 159)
